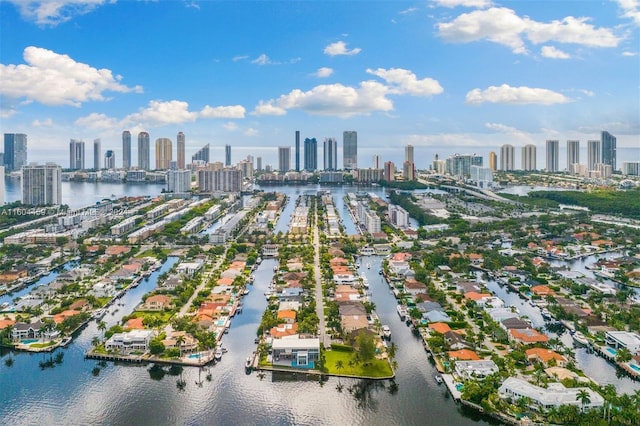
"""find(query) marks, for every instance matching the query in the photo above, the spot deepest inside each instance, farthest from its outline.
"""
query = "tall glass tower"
(608, 142)
(553, 154)
(126, 149)
(180, 143)
(350, 150)
(144, 148)
(310, 154)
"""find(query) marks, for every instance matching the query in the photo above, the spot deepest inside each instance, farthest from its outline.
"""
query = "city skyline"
(335, 76)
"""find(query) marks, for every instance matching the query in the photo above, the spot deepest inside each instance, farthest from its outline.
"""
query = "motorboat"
(365, 282)
(580, 338)
(402, 312)
(439, 379)
(218, 354)
(386, 332)
(248, 364)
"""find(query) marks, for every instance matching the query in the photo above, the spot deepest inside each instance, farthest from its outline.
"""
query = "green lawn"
(151, 253)
(41, 345)
(377, 367)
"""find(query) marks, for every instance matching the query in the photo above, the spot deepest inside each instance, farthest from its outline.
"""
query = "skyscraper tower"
(227, 155)
(507, 157)
(284, 159)
(608, 143)
(377, 162)
(298, 150)
(109, 160)
(529, 157)
(349, 150)
(573, 153)
(202, 154)
(180, 142)
(41, 184)
(594, 152)
(15, 151)
(330, 154)
(553, 154)
(163, 153)
(259, 164)
(76, 154)
(96, 154)
(310, 154)
(126, 150)
(493, 161)
(408, 153)
(144, 151)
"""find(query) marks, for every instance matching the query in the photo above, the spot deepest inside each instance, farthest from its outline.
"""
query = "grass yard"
(376, 369)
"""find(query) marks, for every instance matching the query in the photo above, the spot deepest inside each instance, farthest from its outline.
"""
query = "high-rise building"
(629, 168)
(2, 195)
(408, 171)
(202, 154)
(573, 153)
(482, 176)
(389, 171)
(349, 150)
(553, 155)
(259, 164)
(226, 180)
(608, 143)
(330, 154)
(180, 142)
(408, 153)
(76, 154)
(15, 151)
(507, 157)
(284, 159)
(594, 154)
(246, 167)
(96, 154)
(298, 150)
(179, 181)
(163, 153)
(41, 184)
(377, 162)
(227, 155)
(126, 150)
(529, 157)
(493, 161)
(109, 160)
(310, 154)
(460, 164)
(144, 151)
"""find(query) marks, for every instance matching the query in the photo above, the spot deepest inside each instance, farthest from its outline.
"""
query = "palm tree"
(102, 326)
(584, 397)
(392, 350)
(179, 342)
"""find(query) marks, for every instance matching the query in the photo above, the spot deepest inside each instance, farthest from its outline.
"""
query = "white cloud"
(160, 113)
(332, 99)
(506, 94)
(262, 60)
(340, 48)
(479, 4)
(552, 52)
(230, 126)
(408, 11)
(234, 111)
(47, 122)
(513, 133)
(192, 5)
(54, 79)
(251, 132)
(324, 72)
(627, 53)
(54, 12)
(403, 81)
(98, 122)
(631, 10)
(503, 26)
(240, 58)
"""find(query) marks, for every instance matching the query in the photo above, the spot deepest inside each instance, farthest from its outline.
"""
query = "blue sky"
(445, 75)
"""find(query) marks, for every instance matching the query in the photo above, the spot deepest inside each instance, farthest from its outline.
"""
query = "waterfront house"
(554, 395)
(103, 289)
(6, 322)
(23, 330)
(436, 316)
(545, 356)
(270, 250)
(291, 294)
(288, 316)
(527, 336)
(189, 268)
(134, 323)
(59, 318)
(117, 250)
(542, 290)
(514, 323)
(414, 287)
(129, 341)
(467, 286)
(623, 339)
(476, 259)
(456, 341)
(464, 355)
(346, 293)
(283, 330)
(475, 369)
(292, 305)
(440, 327)
(479, 298)
(294, 351)
(188, 344)
(156, 302)
(171, 283)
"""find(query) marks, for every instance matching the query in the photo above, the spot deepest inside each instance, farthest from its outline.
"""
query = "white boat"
(218, 354)
(368, 266)
(439, 379)
(246, 291)
(251, 278)
(365, 282)
(386, 332)
(259, 260)
(580, 338)
(248, 364)
(402, 312)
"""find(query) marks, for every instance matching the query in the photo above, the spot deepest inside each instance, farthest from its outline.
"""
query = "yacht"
(365, 282)
(402, 311)
(386, 332)
(580, 338)
(218, 354)
(438, 379)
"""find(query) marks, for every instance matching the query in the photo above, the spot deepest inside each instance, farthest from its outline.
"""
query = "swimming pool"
(192, 356)
(29, 341)
(459, 387)
(635, 367)
(612, 351)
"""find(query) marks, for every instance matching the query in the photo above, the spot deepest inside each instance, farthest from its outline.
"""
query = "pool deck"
(455, 393)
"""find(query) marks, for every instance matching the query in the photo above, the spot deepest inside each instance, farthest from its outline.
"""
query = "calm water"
(129, 394)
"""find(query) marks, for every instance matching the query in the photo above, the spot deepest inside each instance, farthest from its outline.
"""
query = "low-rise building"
(294, 351)
(623, 339)
(130, 341)
(478, 369)
(554, 395)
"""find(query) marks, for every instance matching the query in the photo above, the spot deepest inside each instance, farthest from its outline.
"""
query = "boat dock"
(451, 386)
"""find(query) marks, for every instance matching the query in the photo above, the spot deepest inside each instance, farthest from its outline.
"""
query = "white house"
(623, 339)
(103, 289)
(189, 268)
(476, 369)
(554, 395)
(134, 340)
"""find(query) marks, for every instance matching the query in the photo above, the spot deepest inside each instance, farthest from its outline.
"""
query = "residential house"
(23, 330)
(514, 323)
(527, 336)
(464, 355)
(623, 339)
(456, 341)
(189, 268)
(294, 351)
(289, 316)
(546, 357)
(156, 302)
(103, 289)
(500, 314)
(414, 287)
(130, 341)
(282, 330)
(440, 327)
(554, 395)
(542, 290)
(475, 369)
(270, 250)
